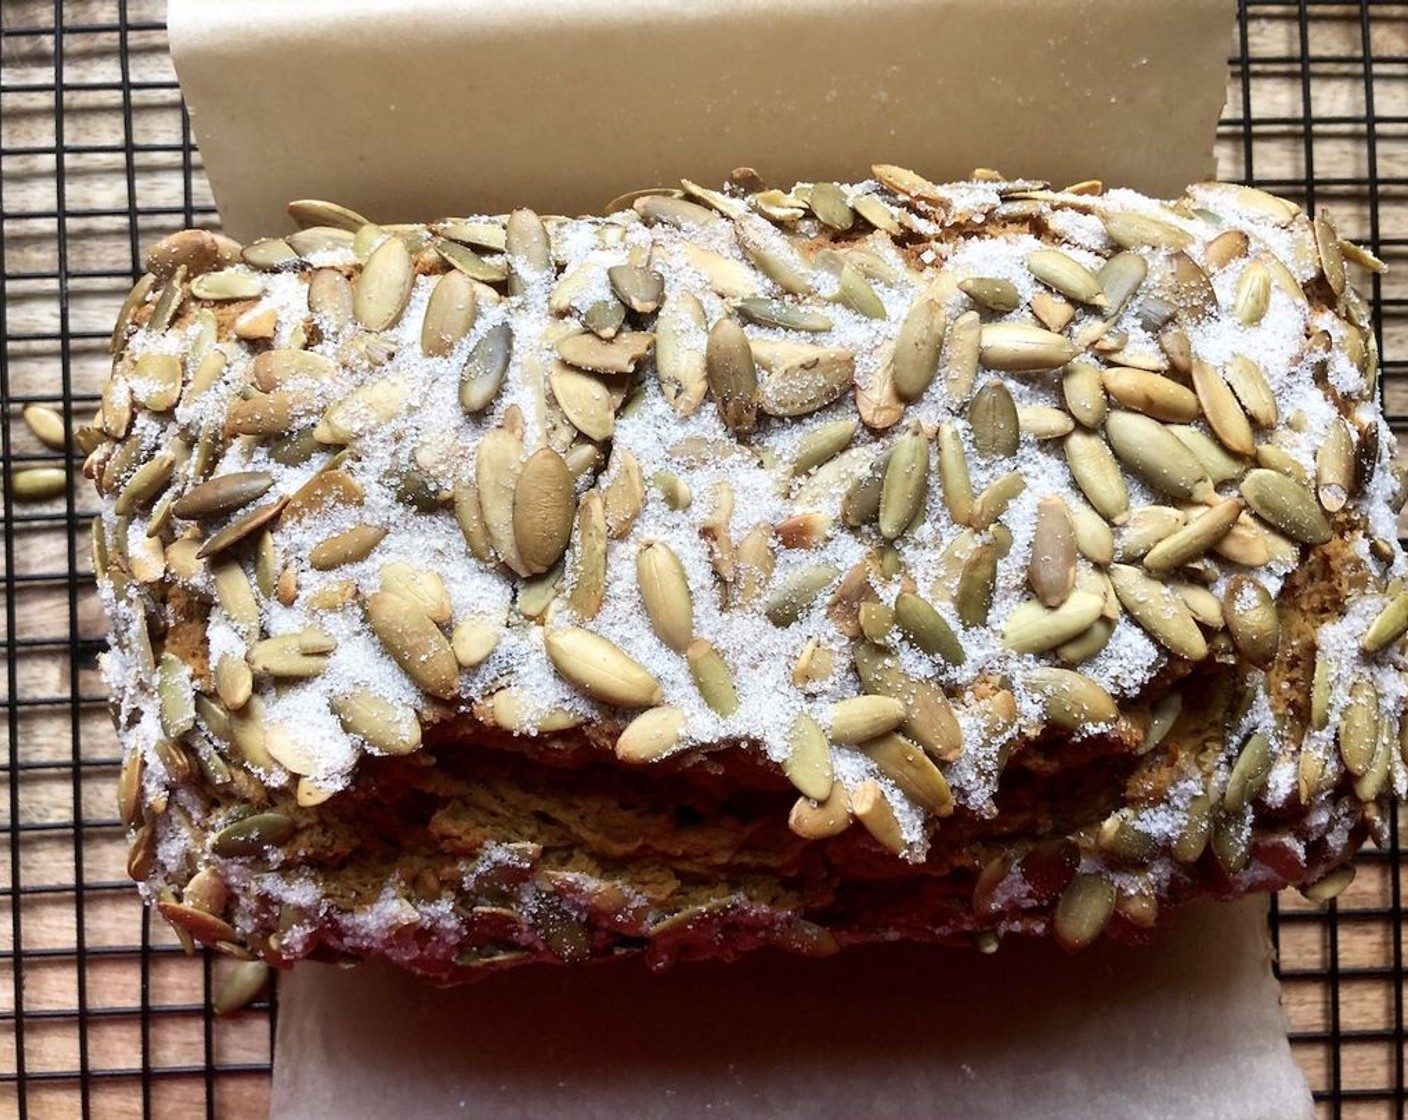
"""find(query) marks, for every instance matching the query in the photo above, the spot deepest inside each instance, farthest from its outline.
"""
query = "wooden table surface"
(79, 925)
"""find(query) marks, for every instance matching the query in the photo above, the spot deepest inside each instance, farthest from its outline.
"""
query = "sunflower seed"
(1083, 647)
(992, 293)
(361, 411)
(1151, 394)
(929, 719)
(234, 682)
(1068, 276)
(1286, 505)
(498, 463)
(1150, 451)
(1083, 911)
(1033, 628)
(617, 355)
(1194, 539)
(599, 668)
(1071, 700)
(754, 564)
(962, 344)
(1359, 727)
(1022, 348)
(1160, 612)
(954, 481)
(927, 629)
(905, 483)
(712, 676)
(1051, 571)
(802, 378)
(1042, 422)
(992, 503)
(992, 414)
(1083, 391)
(345, 548)
(227, 284)
(1131, 230)
(1051, 311)
(875, 814)
(415, 643)
(665, 593)
(1098, 475)
(651, 735)
(299, 654)
(795, 593)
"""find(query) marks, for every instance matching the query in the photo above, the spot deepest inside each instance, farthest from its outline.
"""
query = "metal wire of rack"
(100, 1011)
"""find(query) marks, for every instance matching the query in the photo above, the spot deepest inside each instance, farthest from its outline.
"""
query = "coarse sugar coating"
(747, 567)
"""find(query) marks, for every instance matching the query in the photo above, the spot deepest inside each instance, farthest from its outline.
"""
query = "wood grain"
(61, 734)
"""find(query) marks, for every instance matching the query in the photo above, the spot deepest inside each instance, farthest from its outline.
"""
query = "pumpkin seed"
(821, 444)
(992, 293)
(241, 527)
(449, 314)
(911, 769)
(773, 254)
(1131, 230)
(599, 668)
(251, 836)
(1390, 624)
(1329, 886)
(623, 494)
(1022, 348)
(802, 379)
(466, 261)
(992, 414)
(1159, 611)
(1083, 647)
(362, 411)
(776, 313)
(870, 807)
(1041, 422)
(222, 495)
(927, 629)
(1083, 911)
(754, 564)
(1120, 278)
(589, 557)
(156, 381)
(1034, 628)
(1071, 700)
(905, 483)
(227, 284)
(616, 355)
(527, 248)
(1359, 727)
(544, 501)
(817, 820)
(1216, 462)
(383, 289)
(1252, 620)
(300, 654)
(1150, 451)
(1224, 415)
(1252, 295)
(797, 591)
(977, 582)
(1097, 474)
(992, 503)
(828, 203)
(808, 761)
(732, 375)
(1068, 276)
(860, 718)
(662, 209)
(929, 719)
(474, 639)
(1249, 773)
(651, 735)
(498, 463)
(1335, 466)
(962, 344)
(272, 368)
(640, 289)
(1285, 504)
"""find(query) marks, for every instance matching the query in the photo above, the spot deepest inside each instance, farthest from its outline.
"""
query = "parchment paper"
(1188, 1028)
(414, 109)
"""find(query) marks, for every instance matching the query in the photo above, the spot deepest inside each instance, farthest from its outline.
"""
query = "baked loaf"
(747, 567)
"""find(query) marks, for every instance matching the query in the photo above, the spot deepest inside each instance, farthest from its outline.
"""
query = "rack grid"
(101, 1013)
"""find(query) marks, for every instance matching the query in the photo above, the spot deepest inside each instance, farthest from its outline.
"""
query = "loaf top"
(878, 481)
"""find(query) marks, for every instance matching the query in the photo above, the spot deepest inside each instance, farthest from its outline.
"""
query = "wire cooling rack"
(101, 1014)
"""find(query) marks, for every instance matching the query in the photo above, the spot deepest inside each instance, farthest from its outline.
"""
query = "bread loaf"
(747, 567)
